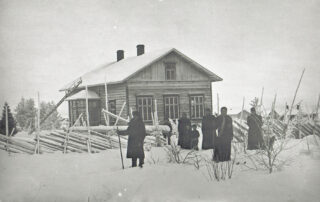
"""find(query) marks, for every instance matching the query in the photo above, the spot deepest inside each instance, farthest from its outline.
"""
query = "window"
(144, 106)
(196, 106)
(171, 107)
(76, 107)
(170, 71)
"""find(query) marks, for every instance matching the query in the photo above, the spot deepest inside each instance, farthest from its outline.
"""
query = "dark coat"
(194, 139)
(186, 140)
(222, 151)
(255, 140)
(208, 131)
(137, 133)
(183, 130)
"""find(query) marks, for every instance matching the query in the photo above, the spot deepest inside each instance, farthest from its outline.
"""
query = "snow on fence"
(72, 141)
(240, 129)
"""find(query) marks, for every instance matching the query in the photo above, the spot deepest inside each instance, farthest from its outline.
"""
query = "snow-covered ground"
(99, 177)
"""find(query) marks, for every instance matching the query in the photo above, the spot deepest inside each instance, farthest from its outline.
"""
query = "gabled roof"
(118, 72)
(82, 95)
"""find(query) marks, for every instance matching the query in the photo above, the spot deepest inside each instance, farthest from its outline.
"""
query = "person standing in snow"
(208, 130)
(167, 134)
(222, 149)
(194, 137)
(255, 139)
(183, 125)
(137, 132)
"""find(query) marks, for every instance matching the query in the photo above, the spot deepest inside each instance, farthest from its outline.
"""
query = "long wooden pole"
(7, 127)
(294, 98)
(261, 98)
(114, 115)
(88, 119)
(106, 98)
(120, 151)
(156, 120)
(317, 109)
(273, 107)
(218, 107)
(38, 126)
(241, 117)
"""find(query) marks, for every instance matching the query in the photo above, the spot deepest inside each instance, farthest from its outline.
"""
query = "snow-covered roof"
(82, 95)
(118, 72)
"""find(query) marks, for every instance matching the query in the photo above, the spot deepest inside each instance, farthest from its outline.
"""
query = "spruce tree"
(11, 121)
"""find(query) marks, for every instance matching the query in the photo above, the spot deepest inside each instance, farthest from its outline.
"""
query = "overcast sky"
(45, 44)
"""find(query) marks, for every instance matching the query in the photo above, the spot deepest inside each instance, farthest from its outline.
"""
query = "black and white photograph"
(159, 100)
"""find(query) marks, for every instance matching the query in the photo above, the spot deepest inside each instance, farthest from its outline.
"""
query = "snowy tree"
(25, 113)
(254, 102)
(11, 121)
(54, 120)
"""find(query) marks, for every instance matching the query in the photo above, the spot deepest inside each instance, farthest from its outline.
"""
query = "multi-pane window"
(170, 71)
(144, 106)
(196, 106)
(171, 107)
(76, 107)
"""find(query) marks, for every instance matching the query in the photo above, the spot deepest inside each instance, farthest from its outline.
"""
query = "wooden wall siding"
(115, 92)
(157, 90)
(184, 70)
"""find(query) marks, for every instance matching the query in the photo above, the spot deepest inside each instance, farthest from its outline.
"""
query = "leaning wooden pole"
(106, 98)
(88, 119)
(120, 151)
(7, 127)
(241, 117)
(123, 105)
(218, 107)
(294, 98)
(315, 120)
(37, 125)
(317, 109)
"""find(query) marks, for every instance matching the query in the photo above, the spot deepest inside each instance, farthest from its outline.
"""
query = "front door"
(94, 112)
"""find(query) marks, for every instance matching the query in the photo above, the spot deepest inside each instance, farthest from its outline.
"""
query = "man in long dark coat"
(137, 133)
(183, 125)
(255, 139)
(208, 130)
(222, 151)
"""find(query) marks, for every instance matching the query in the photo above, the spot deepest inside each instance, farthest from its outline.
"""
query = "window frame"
(170, 67)
(190, 106)
(75, 107)
(142, 112)
(178, 104)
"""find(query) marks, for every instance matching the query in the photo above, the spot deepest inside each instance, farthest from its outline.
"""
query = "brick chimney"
(140, 49)
(120, 55)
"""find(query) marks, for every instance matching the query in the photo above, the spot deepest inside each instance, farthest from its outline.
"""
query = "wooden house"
(167, 77)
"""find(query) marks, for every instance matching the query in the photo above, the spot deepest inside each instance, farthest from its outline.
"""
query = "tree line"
(25, 114)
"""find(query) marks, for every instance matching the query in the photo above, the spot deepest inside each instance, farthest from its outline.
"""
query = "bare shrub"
(175, 154)
(221, 170)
